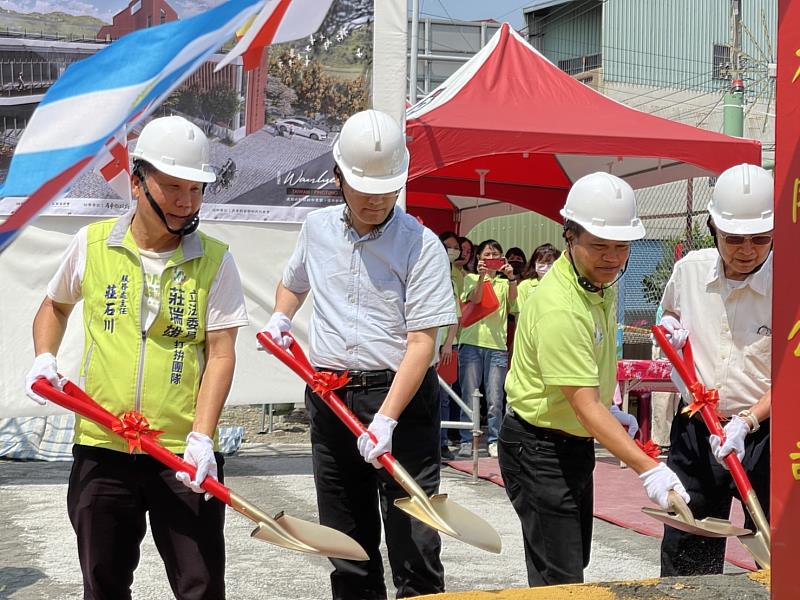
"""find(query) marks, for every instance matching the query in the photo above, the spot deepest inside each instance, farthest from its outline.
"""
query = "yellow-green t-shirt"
(565, 336)
(524, 289)
(491, 331)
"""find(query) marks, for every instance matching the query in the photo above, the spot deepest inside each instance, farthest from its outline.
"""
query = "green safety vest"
(156, 373)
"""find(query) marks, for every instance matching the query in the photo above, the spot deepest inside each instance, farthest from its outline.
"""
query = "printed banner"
(272, 128)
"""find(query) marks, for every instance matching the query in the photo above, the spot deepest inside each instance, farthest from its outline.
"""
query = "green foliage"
(53, 23)
(217, 105)
(316, 91)
(653, 284)
(280, 100)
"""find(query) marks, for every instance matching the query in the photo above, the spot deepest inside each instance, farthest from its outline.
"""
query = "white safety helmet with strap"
(371, 153)
(605, 206)
(176, 147)
(742, 201)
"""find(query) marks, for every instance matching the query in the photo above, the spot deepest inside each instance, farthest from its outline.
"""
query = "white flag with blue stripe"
(117, 87)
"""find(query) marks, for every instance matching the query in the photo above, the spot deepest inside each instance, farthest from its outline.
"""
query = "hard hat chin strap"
(190, 225)
(584, 281)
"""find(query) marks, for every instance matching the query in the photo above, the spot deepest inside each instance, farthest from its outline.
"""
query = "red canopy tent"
(510, 127)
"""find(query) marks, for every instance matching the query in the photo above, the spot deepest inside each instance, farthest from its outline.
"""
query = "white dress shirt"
(369, 291)
(729, 323)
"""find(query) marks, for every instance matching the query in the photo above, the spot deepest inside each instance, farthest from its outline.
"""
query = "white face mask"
(453, 254)
(542, 268)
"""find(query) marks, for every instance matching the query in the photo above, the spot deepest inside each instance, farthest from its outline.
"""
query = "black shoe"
(447, 454)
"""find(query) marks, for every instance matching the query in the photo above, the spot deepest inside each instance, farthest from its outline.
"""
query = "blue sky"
(473, 10)
(501, 10)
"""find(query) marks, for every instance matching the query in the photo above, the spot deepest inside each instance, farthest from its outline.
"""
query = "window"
(721, 66)
(136, 7)
(163, 16)
(149, 20)
(581, 64)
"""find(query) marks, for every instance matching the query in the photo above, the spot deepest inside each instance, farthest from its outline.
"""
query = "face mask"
(542, 268)
(453, 254)
(517, 265)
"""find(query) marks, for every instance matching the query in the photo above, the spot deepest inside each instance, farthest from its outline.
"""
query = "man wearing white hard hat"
(721, 298)
(161, 306)
(561, 386)
(381, 289)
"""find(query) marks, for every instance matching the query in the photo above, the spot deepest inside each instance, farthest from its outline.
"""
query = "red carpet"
(620, 509)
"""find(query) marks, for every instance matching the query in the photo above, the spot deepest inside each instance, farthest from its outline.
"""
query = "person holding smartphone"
(483, 351)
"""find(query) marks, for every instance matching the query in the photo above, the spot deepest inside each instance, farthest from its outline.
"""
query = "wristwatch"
(751, 418)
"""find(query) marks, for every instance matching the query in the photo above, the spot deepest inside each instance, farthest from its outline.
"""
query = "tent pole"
(412, 67)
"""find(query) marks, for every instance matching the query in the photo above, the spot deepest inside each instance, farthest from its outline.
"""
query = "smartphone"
(494, 263)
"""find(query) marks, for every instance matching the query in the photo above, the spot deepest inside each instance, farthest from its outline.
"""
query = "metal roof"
(540, 4)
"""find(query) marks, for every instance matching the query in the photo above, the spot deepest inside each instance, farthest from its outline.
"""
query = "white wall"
(260, 250)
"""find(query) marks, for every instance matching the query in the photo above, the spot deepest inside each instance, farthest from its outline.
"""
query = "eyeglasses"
(756, 240)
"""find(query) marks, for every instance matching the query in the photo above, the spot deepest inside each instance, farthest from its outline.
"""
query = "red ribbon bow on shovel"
(701, 396)
(325, 381)
(131, 426)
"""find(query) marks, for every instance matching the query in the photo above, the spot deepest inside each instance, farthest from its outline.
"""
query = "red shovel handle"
(296, 360)
(76, 400)
(686, 371)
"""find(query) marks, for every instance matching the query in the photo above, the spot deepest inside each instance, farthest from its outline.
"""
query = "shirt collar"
(760, 281)
(190, 247)
(376, 232)
(563, 269)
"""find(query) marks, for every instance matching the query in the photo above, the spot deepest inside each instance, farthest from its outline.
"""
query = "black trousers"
(108, 496)
(549, 480)
(711, 489)
(353, 496)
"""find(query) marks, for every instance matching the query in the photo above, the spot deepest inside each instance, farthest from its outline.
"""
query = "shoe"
(493, 449)
(465, 451)
(447, 454)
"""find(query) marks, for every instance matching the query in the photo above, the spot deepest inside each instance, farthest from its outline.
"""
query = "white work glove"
(200, 454)
(659, 481)
(735, 432)
(382, 428)
(676, 333)
(276, 327)
(626, 420)
(44, 367)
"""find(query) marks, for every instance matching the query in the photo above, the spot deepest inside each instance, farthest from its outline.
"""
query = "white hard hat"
(605, 206)
(176, 147)
(742, 201)
(371, 153)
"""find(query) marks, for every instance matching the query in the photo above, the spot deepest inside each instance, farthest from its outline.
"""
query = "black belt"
(368, 379)
(546, 433)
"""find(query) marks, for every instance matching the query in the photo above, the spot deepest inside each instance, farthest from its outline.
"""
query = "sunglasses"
(756, 240)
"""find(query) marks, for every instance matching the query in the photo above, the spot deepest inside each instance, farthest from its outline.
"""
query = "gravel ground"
(289, 426)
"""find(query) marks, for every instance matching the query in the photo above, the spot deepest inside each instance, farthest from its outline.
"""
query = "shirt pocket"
(386, 298)
(757, 359)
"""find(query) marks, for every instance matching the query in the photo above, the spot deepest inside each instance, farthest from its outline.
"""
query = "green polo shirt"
(565, 337)
(524, 290)
(491, 331)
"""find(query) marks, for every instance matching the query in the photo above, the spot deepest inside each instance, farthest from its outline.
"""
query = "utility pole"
(733, 104)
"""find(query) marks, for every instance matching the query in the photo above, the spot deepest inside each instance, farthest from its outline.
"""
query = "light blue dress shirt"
(369, 291)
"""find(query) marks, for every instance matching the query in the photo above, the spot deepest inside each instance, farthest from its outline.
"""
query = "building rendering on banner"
(139, 14)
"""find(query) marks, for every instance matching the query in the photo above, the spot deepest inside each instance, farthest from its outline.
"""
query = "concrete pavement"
(38, 558)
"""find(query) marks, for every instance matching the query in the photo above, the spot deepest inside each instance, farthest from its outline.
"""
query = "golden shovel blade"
(708, 527)
(680, 517)
(295, 534)
(317, 539)
(452, 519)
(756, 544)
